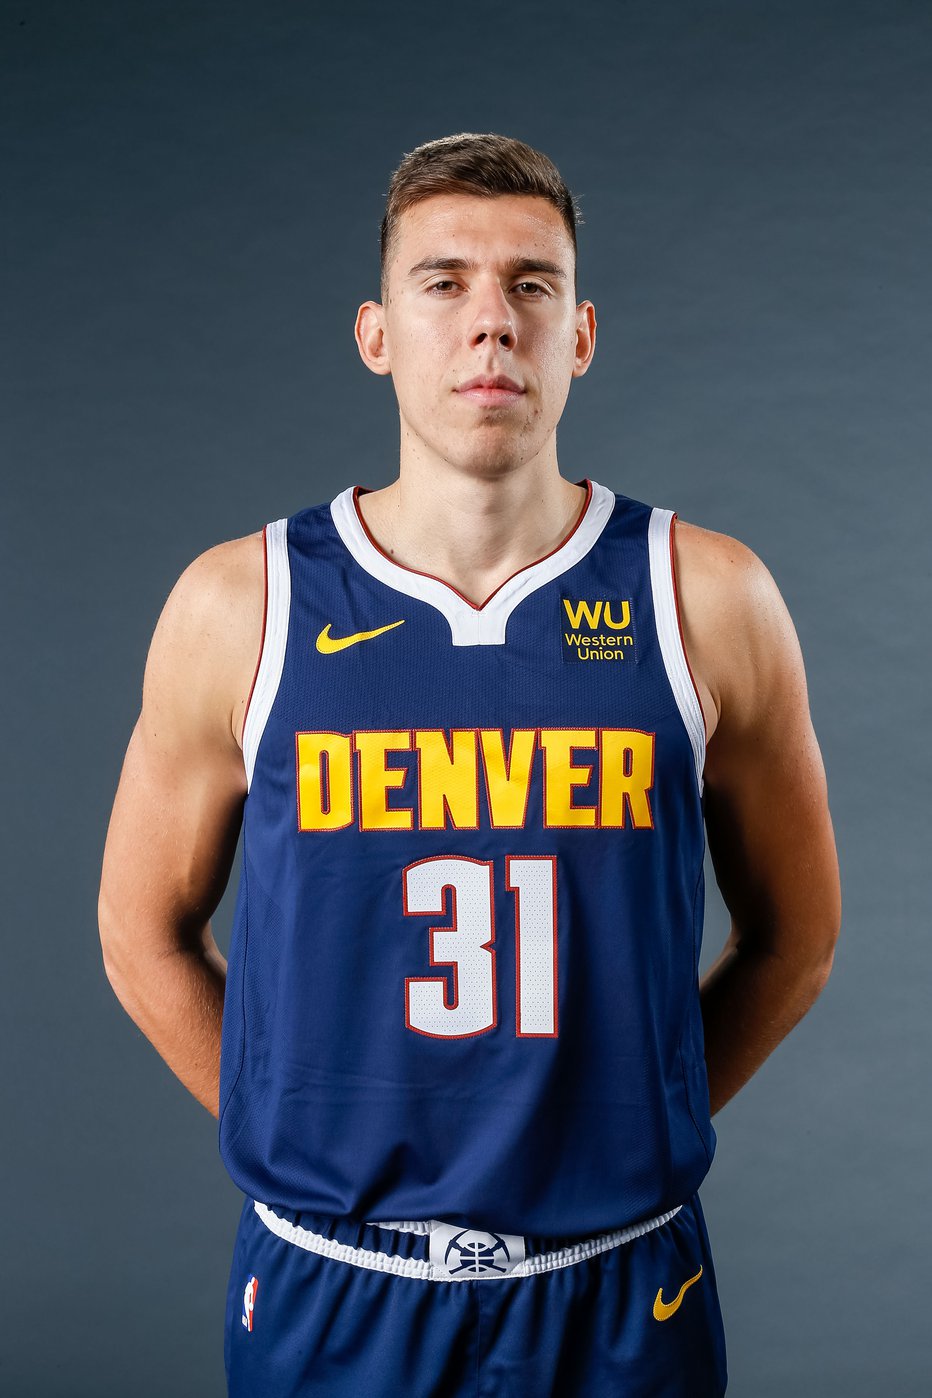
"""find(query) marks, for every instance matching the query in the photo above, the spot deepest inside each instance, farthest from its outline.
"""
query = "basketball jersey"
(463, 972)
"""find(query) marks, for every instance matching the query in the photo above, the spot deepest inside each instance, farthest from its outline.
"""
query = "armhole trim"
(272, 646)
(265, 616)
(670, 632)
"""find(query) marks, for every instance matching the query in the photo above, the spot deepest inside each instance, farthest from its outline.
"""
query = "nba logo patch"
(249, 1301)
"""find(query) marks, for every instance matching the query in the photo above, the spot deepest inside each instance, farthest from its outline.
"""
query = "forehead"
(481, 229)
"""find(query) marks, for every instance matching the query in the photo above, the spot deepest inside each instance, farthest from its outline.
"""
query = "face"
(479, 290)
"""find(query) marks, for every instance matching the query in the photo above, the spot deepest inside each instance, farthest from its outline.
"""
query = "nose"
(492, 319)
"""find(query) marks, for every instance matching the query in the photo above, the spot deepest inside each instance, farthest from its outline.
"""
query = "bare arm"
(767, 817)
(177, 814)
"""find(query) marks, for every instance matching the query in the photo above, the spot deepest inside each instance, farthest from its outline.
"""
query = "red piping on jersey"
(679, 623)
(477, 607)
(265, 614)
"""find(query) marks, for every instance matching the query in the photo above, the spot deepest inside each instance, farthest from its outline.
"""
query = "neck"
(469, 531)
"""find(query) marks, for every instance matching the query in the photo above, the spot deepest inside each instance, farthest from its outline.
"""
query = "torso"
(540, 755)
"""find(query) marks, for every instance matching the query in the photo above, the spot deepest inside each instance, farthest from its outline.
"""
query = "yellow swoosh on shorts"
(664, 1310)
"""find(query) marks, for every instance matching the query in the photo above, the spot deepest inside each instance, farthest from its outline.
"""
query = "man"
(463, 1039)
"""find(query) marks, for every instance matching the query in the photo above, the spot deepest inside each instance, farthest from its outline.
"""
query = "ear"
(370, 337)
(585, 338)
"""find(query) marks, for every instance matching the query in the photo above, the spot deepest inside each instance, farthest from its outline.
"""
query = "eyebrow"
(466, 264)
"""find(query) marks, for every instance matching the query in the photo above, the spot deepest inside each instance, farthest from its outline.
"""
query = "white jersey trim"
(470, 625)
(666, 617)
(274, 640)
(424, 1270)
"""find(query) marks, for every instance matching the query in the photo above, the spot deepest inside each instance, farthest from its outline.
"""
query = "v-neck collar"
(472, 625)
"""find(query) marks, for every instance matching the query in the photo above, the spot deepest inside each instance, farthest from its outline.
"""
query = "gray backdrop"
(193, 194)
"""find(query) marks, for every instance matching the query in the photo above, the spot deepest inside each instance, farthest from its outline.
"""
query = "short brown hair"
(473, 163)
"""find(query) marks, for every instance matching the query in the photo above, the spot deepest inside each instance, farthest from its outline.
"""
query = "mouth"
(491, 390)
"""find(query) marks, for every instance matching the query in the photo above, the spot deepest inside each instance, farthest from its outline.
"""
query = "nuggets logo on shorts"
(477, 1253)
(464, 1254)
(249, 1301)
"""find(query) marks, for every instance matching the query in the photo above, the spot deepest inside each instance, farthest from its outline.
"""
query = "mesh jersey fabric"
(463, 973)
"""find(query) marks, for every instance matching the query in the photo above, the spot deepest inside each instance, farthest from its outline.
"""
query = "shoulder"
(206, 644)
(220, 573)
(218, 595)
(738, 633)
(721, 570)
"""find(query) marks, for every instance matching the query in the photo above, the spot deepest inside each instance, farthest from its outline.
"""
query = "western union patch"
(600, 628)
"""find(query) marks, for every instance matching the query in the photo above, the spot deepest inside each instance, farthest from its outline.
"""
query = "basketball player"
(476, 726)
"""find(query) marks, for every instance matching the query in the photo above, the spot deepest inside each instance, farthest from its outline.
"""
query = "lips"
(491, 391)
(499, 381)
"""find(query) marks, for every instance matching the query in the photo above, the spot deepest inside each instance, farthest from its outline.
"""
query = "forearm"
(177, 1002)
(750, 1001)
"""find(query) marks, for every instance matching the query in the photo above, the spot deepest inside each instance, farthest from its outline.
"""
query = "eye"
(534, 287)
(439, 286)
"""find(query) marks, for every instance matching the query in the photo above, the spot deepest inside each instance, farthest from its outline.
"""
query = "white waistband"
(433, 1270)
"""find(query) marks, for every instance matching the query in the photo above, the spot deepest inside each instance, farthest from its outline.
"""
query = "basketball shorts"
(347, 1309)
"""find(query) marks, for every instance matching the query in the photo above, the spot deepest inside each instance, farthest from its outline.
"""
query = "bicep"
(170, 847)
(178, 807)
(767, 814)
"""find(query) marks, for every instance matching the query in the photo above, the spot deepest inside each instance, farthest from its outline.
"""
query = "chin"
(489, 465)
(490, 454)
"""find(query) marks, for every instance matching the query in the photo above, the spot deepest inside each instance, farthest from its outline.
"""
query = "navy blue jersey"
(463, 975)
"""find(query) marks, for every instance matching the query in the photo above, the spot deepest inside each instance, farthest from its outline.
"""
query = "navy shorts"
(347, 1309)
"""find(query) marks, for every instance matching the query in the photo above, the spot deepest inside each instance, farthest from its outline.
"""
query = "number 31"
(467, 945)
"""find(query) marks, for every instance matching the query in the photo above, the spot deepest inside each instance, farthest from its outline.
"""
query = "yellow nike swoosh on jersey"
(662, 1310)
(327, 644)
